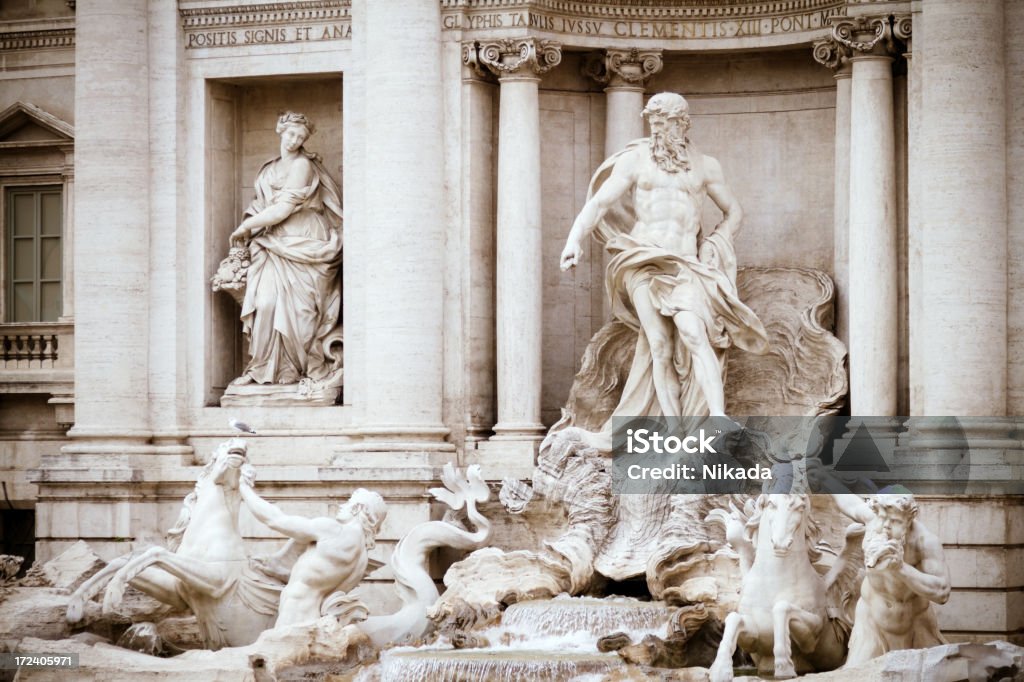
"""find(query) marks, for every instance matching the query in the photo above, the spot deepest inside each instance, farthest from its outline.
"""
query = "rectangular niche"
(242, 117)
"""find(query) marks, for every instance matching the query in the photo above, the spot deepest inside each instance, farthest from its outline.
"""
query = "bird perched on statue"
(241, 426)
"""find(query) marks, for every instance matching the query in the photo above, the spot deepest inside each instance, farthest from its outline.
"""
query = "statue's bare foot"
(243, 380)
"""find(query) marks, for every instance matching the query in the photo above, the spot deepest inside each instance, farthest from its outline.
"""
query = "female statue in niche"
(292, 287)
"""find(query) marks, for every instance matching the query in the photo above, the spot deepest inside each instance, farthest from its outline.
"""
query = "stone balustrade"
(33, 346)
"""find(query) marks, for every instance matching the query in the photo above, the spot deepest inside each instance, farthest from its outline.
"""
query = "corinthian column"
(626, 73)
(519, 63)
(873, 263)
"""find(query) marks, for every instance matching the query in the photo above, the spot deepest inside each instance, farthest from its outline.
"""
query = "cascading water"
(598, 617)
(553, 639)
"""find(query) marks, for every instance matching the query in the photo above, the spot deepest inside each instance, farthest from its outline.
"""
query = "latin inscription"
(267, 36)
(732, 28)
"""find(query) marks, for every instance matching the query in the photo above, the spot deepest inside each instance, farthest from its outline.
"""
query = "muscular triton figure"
(905, 573)
(672, 284)
(332, 552)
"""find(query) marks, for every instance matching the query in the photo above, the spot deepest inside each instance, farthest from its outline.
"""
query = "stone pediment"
(25, 125)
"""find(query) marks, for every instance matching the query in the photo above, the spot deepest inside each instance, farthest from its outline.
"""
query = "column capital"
(474, 70)
(871, 35)
(626, 68)
(513, 58)
(833, 54)
(902, 28)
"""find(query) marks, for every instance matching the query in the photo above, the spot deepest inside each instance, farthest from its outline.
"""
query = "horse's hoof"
(721, 673)
(112, 598)
(785, 671)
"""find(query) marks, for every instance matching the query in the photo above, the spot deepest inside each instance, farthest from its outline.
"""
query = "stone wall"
(983, 539)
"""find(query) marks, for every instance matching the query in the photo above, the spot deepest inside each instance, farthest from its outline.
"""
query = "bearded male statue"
(667, 280)
(905, 572)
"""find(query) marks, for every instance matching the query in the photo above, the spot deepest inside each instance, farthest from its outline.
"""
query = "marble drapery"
(293, 297)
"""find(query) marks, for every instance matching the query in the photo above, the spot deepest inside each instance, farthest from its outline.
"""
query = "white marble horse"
(791, 618)
(205, 568)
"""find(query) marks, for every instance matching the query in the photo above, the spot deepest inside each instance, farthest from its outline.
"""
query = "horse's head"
(226, 466)
(783, 517)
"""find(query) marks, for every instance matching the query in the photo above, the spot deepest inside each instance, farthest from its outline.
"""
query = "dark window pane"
(24, 259)
(49, 258)
(24, 309)
(23, 207)
(49, 294)
(51, 210)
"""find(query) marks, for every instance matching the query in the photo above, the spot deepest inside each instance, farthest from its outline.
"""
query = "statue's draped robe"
(655, 526)
(675, 283)
(293, 293)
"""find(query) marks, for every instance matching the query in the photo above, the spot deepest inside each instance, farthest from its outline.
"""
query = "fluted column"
(519, 63)
(112, 215)
(403, 209)
(836, 56)
(963, 222)
(873, 258)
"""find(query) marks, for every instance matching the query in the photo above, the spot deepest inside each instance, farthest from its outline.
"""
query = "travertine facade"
(876, 142)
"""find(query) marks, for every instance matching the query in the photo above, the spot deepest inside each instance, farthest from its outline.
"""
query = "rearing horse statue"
(205, 570)
(790, 618)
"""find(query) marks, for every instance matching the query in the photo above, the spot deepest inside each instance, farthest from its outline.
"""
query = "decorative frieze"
(44, 39)
(518, 57)
(280, 22)
(622, 68)
(631, 9)
(581, 23)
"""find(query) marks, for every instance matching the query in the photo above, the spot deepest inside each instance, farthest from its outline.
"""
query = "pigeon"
(241, 426)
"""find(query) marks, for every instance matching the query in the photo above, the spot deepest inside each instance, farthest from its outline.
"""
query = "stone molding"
(688, 26)
(623, 68)
(210, 25)
(260, 15)
(630, 9)
(519, 57)
(43, 39)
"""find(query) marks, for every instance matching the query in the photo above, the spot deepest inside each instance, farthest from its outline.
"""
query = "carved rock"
(804, 372)
(486, 581)
(34, 612)
(993, 661)
(72, 567)
(311, 650)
